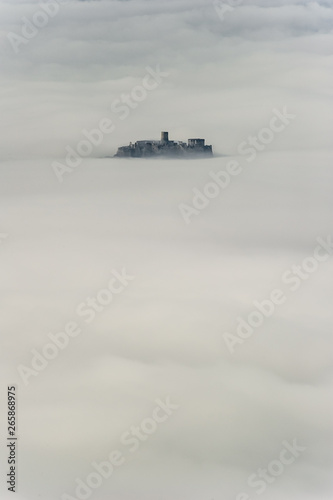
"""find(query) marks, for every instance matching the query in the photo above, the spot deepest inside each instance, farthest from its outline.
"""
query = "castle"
(165, 147)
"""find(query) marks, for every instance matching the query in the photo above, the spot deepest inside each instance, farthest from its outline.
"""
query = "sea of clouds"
(189, 299)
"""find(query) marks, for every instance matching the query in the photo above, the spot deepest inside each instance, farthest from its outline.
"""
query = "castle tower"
(196, 142)
(164, 137)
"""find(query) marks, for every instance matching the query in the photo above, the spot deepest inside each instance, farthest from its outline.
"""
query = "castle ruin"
(164, 147)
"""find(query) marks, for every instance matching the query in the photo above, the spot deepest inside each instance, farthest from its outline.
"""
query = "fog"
(175, 252)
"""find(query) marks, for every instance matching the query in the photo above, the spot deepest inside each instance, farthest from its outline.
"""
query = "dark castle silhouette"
(164, 147)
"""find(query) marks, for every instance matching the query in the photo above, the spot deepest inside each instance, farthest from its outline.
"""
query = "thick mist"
(169, 318)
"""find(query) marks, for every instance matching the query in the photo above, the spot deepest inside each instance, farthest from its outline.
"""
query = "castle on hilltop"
(164, 147)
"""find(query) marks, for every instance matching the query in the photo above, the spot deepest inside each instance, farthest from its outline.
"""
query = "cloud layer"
(163, 335)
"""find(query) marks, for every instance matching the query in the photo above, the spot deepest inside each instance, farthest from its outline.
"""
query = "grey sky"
(163, 334)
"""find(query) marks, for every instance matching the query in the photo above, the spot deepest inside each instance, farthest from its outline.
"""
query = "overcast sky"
(227, 69)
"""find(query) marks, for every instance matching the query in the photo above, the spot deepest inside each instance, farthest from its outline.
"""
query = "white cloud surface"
(163, 335)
